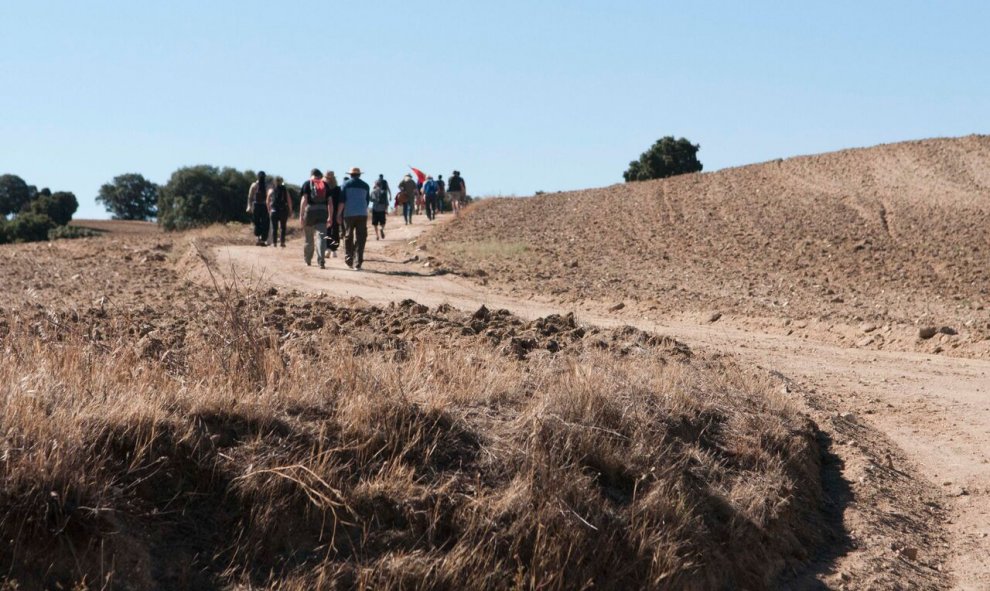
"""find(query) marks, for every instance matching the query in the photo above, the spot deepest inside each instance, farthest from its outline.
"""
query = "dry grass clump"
(244, 440)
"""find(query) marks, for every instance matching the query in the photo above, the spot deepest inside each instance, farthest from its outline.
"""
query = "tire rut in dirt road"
(935, 409)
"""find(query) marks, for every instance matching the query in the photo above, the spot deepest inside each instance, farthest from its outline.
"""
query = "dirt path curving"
(935, 409)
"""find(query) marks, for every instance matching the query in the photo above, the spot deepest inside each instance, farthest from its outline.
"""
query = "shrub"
(667, 157)
(58, 206)
(69, 232)
(29, 227)
(203, 195)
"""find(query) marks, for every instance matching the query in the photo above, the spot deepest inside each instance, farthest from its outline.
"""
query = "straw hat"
(354, 171)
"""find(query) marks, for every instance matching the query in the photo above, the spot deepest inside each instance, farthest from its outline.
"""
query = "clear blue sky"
(519, 96)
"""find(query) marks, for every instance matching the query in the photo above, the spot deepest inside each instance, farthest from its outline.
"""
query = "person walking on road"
(280, 209)
(420, 200)
(333, 228)
(314, 212)
(381, 180)
(353, 214)
(441, 193)
(258, 208)
(407, 197)
(457, 189)
(430, 191)
(379, 208)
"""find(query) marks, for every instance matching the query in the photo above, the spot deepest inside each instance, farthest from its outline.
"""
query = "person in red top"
(314, 212)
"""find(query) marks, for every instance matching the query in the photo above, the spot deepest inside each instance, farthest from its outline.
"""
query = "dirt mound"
(162, 434)
(892, 237)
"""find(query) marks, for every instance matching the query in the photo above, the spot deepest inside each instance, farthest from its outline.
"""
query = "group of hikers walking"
(327, 209)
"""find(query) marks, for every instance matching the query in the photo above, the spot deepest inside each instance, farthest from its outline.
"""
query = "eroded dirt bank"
(909, 429)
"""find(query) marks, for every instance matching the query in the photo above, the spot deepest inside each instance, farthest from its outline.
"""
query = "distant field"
(118, 226)
(892, 237)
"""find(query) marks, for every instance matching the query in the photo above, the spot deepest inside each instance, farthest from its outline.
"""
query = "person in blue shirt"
(431, 190)
(353, 214)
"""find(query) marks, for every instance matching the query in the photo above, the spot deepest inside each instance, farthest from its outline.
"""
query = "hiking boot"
(323, 264)
(383, 233)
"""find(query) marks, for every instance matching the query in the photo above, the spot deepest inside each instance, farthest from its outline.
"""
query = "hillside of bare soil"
(165, 427)
(882, 248)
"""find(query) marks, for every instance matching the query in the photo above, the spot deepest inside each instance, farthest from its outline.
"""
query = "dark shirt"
(317, 210)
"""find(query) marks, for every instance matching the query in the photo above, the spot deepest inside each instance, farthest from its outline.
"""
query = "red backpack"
(317, 192)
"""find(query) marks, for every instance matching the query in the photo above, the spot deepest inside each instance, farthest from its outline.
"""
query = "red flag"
(420, 175)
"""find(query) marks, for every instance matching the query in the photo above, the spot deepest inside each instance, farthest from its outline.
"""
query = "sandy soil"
(909, 431)
(864, 247)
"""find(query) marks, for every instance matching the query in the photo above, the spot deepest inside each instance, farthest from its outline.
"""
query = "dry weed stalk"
(336, 454)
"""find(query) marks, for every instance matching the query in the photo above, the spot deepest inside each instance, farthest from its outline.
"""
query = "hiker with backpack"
(381, 180)
(379, 207)
(333, 228)
(441, 194)
(352, 213)
(430, 192)
(457, 189)
(420, 200)
(406, 197)
(314, 212)
(280, 209)
(258, 208)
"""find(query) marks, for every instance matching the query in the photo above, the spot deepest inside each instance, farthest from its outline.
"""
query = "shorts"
(378, 218)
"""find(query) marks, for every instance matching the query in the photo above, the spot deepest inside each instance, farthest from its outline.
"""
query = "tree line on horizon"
(203, 194)
(193, 196)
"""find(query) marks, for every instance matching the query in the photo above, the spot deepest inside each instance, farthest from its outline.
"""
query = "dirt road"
(935, 409)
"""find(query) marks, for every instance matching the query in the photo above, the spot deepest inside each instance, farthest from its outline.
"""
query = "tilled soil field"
(166, 427)
(884, 247)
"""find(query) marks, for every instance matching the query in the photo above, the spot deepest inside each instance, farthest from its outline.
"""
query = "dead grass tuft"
(223, 437)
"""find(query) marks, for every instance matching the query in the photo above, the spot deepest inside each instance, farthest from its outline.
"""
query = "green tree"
(130, 197)
(58, 206)
(202, 195)
(667, 157)
(29, 226)
(14, 194)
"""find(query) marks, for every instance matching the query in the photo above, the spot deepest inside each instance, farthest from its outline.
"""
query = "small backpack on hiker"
(379, 199)
(280, 200)
(317, 208)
